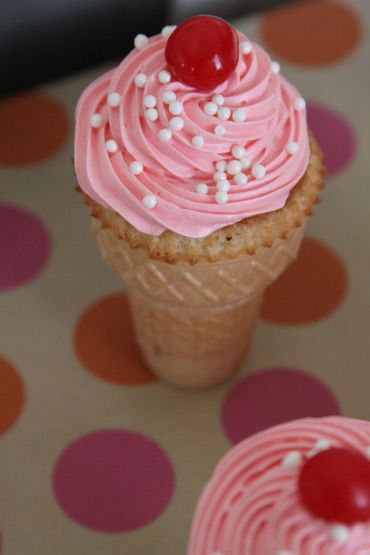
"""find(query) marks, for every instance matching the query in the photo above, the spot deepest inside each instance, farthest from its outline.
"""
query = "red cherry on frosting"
(335, 485)
(202, 51)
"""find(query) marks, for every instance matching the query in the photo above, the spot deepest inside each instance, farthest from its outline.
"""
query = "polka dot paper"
(273, 396)
(312, 288)
(33, 128)
(105, 343)
(25, 246)
(96, 455)
(336, 136)
(113, 481)
(12, 395)
(312, 33)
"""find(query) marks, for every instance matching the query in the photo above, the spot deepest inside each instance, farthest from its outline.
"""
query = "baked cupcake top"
(301, 488)
(195, 130)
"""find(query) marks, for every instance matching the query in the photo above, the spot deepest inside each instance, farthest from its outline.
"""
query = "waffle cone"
(194, 322)
(195, 301)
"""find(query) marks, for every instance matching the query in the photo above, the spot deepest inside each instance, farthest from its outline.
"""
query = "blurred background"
(44, 39)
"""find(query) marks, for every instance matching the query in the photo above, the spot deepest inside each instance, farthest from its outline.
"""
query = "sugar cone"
(194, 322)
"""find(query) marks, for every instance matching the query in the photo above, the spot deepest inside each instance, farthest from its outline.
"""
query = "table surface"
(95, 455)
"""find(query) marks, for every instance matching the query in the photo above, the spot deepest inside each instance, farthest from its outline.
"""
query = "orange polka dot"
(105, 343)
(12, 395)
(312, 32)
(33, 128)
(310, 289)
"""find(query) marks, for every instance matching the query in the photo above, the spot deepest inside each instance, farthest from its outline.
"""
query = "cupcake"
(195, 160)
(301, 488)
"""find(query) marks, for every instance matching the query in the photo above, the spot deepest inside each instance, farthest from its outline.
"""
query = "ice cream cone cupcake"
(195, 160)
(301, 488)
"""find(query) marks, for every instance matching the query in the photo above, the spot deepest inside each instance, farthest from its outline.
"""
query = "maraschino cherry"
(202, 52)
(335, 485)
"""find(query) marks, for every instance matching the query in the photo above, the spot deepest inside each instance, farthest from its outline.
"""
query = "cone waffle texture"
(194, 322)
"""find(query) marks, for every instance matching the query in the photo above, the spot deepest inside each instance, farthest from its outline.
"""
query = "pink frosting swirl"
(251, 504)
(173, 169)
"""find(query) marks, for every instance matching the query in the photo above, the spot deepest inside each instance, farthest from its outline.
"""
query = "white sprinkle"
(198, 141)
(339, 533)
(219, 175)
(96, 121)
(217, 553)
(175, 107)
(176, 124)
(284, 552)
(141, 41)
(202, 188)
(291, 460)
(258, 171)
(234, 167)
(111, 146)
(221, 165)
(114, 99)
(165, 134)
(136, 167)
(240, 179)
(238, 151)
(168, 30)
(140, 80)
(246, 47)
(299, 104)
(150, 101)
(168, 97)
(221, 197)
(322, 445)
(239, 115)
(220, 130)
(245, 163)
(223, 185)
(210, 108)
(275, 67)
(224, 113)
(150, 201)
(164, 77)
(218, 99)
(151, 114)
(292, 147)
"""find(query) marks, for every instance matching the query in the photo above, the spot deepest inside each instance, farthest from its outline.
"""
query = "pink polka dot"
(113, 480)
(273, 396)
(335, 136)
(24, 246)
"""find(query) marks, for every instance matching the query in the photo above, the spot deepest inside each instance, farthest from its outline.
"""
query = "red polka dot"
(113, 481)
(33, 128)
(24, 246)
(310, 289)
(312, 32)
(273, 396)
(335, 136)
(12, 395)
(105, 343)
